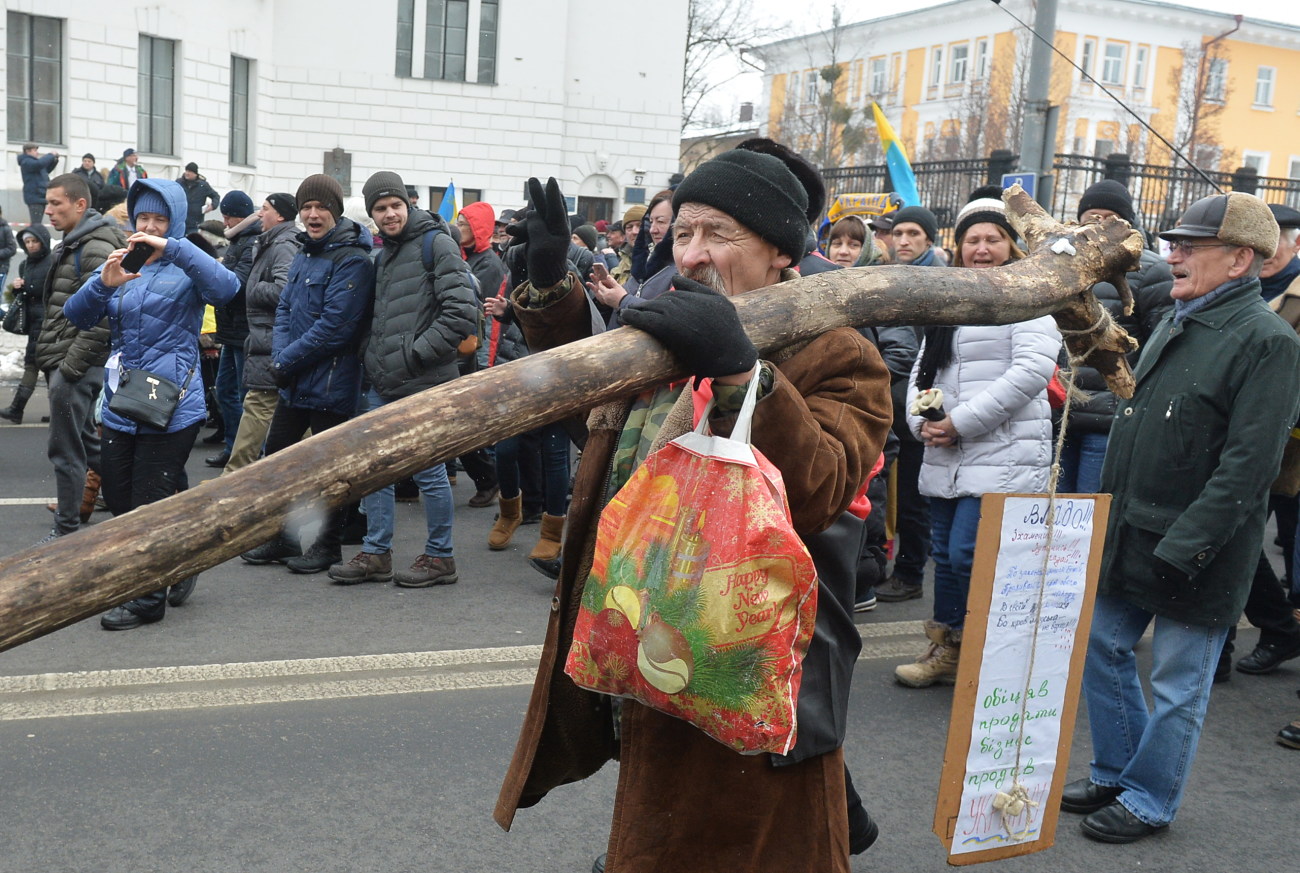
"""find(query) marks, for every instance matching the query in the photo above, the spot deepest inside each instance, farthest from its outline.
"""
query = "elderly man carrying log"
(685, 801)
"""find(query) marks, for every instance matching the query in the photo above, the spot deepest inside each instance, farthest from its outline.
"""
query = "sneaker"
(428, 571)
(181, 591)
(865, 605)
(364, 567)
(273, 552)
(896, 590)
(317, 559)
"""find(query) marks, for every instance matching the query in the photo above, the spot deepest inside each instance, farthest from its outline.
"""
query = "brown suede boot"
(507, 521)
(939, 663)
(548, 546)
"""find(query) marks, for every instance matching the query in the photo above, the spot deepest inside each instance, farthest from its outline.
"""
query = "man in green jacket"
(1190, 460)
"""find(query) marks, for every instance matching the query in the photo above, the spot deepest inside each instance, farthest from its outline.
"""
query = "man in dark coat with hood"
(424, 306)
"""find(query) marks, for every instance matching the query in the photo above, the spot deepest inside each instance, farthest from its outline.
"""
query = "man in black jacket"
(242, 229)
(424, 307)
(198, 194)
(272, 253)
(94, 179)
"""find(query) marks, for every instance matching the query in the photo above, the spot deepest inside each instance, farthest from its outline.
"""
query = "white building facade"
(262, 93)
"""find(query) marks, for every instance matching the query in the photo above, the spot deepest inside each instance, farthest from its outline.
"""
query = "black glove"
(545, 234)
(699, 326)
(282, 377)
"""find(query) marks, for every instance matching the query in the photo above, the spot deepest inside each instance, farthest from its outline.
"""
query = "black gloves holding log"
(696, 323)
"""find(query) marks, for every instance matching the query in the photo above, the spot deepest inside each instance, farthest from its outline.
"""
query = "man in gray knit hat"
(1189, 461)
(424, 306)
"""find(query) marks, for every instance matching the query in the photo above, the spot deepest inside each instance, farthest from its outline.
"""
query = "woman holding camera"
(155, 311)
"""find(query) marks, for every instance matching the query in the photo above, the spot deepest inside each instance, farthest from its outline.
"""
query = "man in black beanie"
(914, 233)
(1104, 198)
(821, 418)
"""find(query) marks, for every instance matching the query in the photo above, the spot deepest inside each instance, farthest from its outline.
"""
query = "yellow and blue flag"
(900, 171)
(448, 209)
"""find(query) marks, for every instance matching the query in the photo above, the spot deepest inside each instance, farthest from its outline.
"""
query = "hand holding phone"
(136, 256)
(599, 272)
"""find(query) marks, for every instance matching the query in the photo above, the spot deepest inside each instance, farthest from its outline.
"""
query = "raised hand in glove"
(545, 234)
(699, 326)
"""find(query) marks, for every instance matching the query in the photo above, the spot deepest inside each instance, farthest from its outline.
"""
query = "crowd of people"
(325, 309)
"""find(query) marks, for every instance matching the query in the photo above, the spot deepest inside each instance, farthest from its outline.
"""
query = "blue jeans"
(230, 390)
(379, 508)
(555, 466)
(1148, 754)
(953, 525)
(1081, 458)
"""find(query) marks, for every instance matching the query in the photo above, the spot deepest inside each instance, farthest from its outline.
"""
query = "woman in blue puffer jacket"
(155, 316)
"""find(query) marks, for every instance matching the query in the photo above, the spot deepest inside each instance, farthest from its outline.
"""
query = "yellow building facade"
(950, 80)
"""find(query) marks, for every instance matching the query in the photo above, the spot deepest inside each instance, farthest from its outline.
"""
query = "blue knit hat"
(236, 204)
(149, 200)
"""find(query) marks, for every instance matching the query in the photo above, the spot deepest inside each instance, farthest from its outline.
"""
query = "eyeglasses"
(1186, 248)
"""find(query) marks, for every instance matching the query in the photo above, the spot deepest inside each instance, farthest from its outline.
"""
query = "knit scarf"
(1184, 308)
(1278, 282)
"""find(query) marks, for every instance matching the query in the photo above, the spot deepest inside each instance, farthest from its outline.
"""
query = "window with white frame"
(981, 60)
(1257, 161)
(792, 88)
(450, 40)
(156, 118)
(957, 66)
(1294, 171)
(1140, 66)
(1085, 59)
(936, 65)
(1216, 79)
(240, 109)
(879, 77)
(810, 84)
(34, 97)
(1264, 79)
(1112, 64)
(856, 96)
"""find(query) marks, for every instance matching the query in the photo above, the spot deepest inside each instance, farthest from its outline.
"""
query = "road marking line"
(26, 501)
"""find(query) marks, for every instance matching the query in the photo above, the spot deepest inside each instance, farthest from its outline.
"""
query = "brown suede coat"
(823, 425)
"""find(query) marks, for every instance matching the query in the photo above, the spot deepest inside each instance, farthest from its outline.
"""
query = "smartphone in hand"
(599, 272)
(135, 257)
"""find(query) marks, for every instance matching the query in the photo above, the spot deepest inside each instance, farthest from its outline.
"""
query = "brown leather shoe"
(426, 572)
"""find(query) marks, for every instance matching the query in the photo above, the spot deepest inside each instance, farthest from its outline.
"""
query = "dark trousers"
(288, 426)
(138, 469)
(554, 443)
(479, 464)
(1267, 605)
(912, 536)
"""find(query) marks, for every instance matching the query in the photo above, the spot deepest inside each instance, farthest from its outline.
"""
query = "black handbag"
(16, 316)
(147, 398)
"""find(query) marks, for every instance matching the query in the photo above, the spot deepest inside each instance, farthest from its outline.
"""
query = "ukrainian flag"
(900, 171)
(448, 209)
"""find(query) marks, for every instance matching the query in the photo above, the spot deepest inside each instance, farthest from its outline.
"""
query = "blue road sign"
(1028, 181)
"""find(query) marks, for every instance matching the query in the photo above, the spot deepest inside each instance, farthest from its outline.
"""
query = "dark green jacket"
(1192, 455)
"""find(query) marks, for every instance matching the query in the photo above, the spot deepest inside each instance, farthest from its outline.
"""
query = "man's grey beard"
(707, 274)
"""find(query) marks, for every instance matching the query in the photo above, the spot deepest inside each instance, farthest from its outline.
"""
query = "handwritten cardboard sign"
(1017, 689)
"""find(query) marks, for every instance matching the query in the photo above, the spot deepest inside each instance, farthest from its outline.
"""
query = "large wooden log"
(48, 587)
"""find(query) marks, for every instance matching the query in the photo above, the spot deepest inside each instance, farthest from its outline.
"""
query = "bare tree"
(828, 130)
(718, 35)
(1203, 91)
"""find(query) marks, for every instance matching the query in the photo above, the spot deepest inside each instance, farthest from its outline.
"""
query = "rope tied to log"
(1016, 801)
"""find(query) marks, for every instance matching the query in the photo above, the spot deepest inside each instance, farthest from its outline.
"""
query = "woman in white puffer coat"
(995, 436)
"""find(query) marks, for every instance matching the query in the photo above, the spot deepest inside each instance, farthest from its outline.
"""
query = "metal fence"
(1160, 193)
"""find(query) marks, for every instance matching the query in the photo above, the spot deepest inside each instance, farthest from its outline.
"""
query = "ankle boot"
(507, 521)
(14, 413)
(548, 546)
(939, 662)
(88, 495)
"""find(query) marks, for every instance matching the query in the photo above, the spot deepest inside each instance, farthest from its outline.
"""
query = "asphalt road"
(279, 723)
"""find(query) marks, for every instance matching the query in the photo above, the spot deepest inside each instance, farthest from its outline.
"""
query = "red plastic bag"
(701, 598)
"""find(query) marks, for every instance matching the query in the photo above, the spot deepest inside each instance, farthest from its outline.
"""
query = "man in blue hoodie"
(36, 176)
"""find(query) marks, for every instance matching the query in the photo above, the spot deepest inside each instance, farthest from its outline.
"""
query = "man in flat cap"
(1190, 461)
(1279, 278)
(822, 417)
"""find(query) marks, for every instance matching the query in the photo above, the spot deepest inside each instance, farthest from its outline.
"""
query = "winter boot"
(14, 414)
(507, 522)
(548, 547)
(938, 664)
